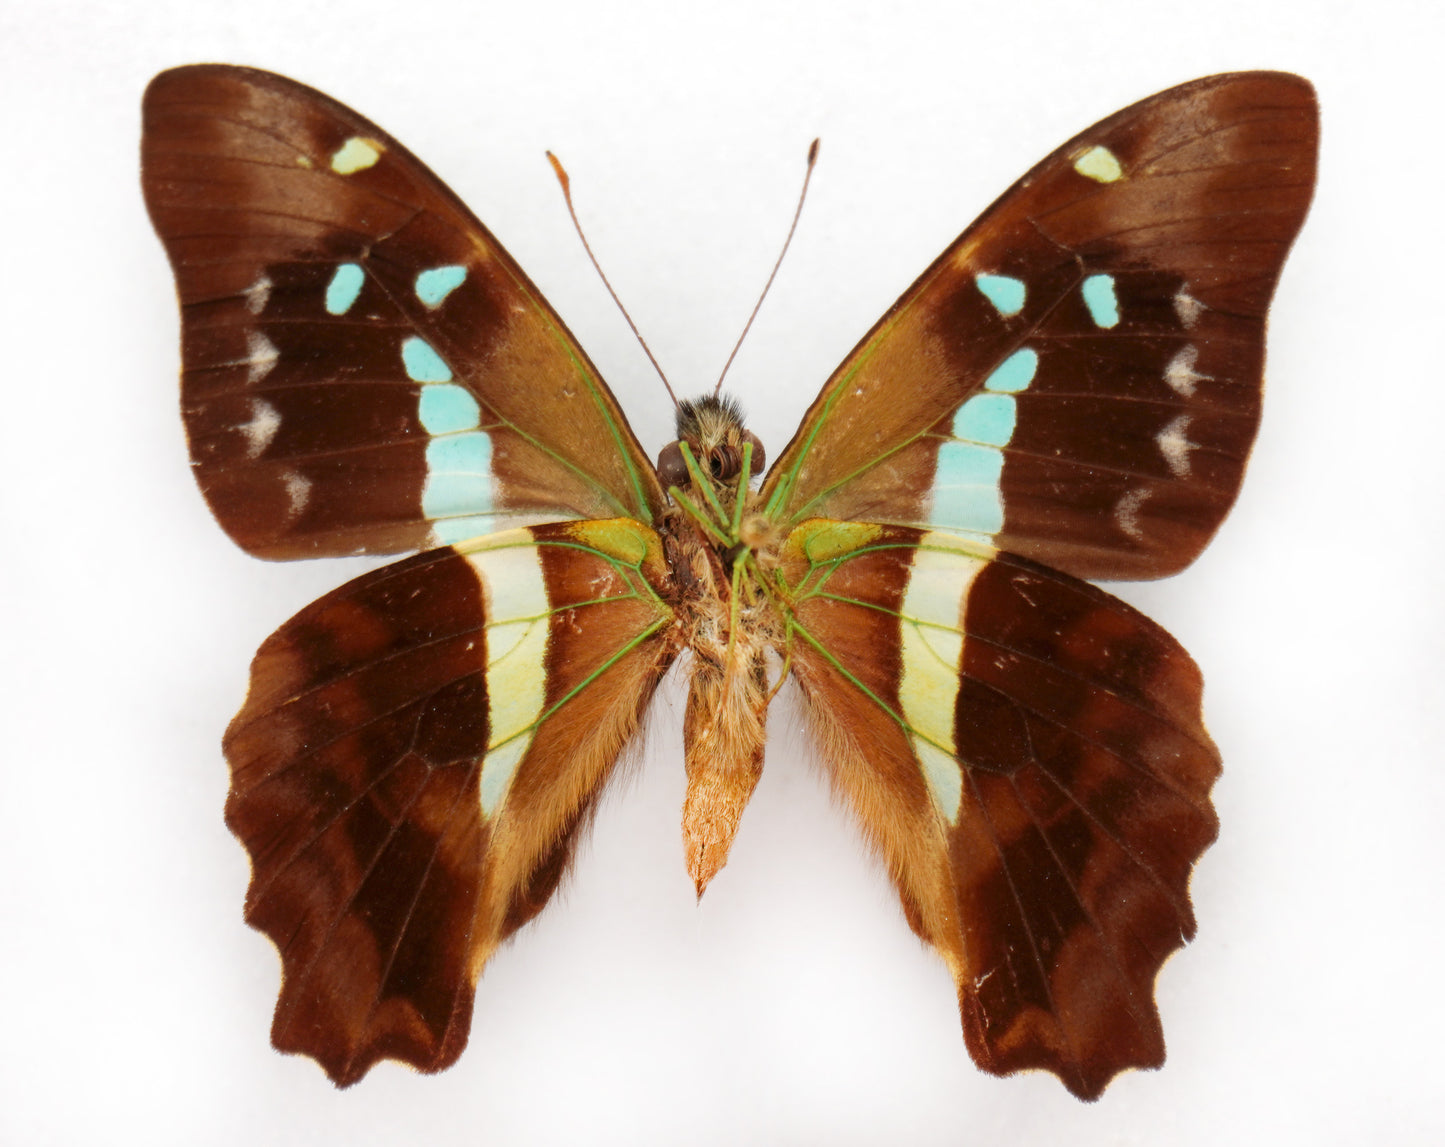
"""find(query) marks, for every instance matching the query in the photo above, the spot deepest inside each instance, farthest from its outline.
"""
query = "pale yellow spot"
(515, 596)
(304, 161)
(932, 655)
(356, 154)
(1099, 164)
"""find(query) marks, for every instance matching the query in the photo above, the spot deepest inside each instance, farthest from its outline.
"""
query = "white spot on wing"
(1187, 307)
(1175, 446)
(1126, 513)
(258, 294)
(298, 489)
(265, 421)
(261, 356)
(1180, 373)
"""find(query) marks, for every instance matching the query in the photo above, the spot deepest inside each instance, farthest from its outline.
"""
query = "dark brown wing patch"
(365, 369)
(354, 787)
(388, 864)
(1047, 852)
(1077, 378)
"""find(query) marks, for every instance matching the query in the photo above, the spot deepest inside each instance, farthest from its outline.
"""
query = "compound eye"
(671, 469)
(760, 458)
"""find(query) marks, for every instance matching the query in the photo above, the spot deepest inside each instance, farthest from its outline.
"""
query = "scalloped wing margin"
(416, 757)
(1028, 755)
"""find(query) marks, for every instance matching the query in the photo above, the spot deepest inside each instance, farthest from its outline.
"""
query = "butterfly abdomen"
(729, 625)
(724, 734)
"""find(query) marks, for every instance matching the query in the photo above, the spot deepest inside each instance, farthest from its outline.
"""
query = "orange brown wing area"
(1028, 754)
(1077, 378)
(415, 759)
(365, 368)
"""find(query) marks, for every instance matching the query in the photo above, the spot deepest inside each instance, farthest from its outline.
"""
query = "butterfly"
(1069, 392)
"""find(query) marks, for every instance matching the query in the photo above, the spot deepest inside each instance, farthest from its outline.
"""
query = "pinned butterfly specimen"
(1069, 392)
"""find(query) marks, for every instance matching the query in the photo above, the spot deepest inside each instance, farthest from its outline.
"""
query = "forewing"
(1027, 753)
(364, 368)
(1077, 378)
(414, 761)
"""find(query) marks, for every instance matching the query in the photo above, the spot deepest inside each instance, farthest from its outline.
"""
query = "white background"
(793, 1006)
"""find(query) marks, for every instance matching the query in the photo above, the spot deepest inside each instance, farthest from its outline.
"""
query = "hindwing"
(1028, 754)
(416, 755)
(1077, 379)
(365, 369)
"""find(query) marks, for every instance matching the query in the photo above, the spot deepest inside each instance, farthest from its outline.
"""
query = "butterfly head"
(713, 429)
(707, 472)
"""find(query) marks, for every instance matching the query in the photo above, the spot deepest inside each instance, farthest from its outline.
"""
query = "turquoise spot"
(458, 476)
(422, 363)
(345, 285)
(1015, 372)
(987, 418)
(432, 287)
(447, 409)
(965, 464)
(1004, 292)
(448, 531)
(966, 488)
(1099, 297)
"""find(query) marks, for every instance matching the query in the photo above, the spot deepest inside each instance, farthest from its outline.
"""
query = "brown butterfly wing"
(365, 369)
(1077, 379)
(1027, 752)
(415, 759)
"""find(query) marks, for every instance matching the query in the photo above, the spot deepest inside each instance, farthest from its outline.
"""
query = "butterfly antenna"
(586, 246)
(802, 195)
